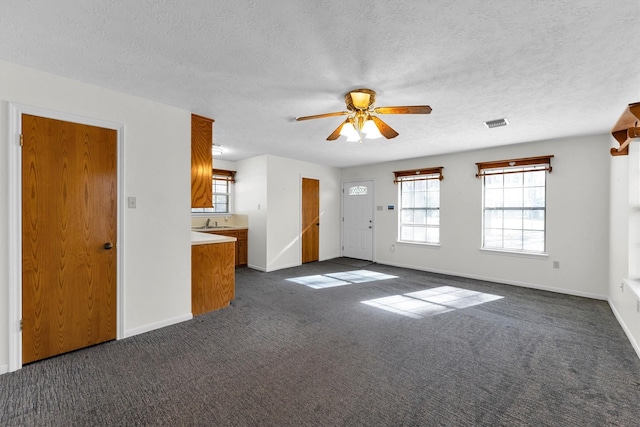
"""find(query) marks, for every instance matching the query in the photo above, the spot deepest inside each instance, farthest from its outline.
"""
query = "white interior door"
(357, 220)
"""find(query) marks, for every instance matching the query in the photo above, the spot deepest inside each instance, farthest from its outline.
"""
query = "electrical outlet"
(556, 264)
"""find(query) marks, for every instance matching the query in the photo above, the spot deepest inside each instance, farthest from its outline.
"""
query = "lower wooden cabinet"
(241, 243)
(213, 276)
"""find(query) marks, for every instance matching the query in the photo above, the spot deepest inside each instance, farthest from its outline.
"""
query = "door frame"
(373, 215)
(15, 220)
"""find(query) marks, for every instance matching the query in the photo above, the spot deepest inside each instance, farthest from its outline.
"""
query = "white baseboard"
(282, 267)
(4, 369)
(157, 325)
(255, 267)
(626, 330)
(503, 281)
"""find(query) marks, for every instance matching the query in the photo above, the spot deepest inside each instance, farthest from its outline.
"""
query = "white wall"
(219, 163)
(621, 298)
(284, 246)
(251, 200)
(274, 184)
(577, 218)
(157, 251)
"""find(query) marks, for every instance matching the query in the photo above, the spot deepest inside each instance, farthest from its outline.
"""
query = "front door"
(357, 225)
(69, 218)
(310, 219)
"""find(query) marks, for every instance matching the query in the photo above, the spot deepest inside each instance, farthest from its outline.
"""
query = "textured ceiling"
(553, 68)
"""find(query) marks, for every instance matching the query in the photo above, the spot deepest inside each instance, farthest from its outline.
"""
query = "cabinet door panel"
(241, 244)
(212, 277)
(201, 162)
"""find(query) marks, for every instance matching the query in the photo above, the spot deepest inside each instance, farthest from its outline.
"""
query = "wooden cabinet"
(241, 248)
(201, 161)
(212, 276)
(241, 243)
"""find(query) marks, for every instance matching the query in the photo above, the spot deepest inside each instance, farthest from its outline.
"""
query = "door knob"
(108, 245)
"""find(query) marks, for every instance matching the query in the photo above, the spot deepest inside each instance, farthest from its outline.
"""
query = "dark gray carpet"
(288, 355)
(351, 262)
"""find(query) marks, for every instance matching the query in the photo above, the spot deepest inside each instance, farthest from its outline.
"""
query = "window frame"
(507, 167)
(415, 175)
(228, 177)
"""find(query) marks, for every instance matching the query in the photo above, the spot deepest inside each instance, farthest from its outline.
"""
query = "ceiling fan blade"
(384, 128)
(320, 116)
(336, 133)
(406, 109)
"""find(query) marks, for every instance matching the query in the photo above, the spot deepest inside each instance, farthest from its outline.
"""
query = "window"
(419, 213)
(222, 189)
(514, 204)
(358, 190)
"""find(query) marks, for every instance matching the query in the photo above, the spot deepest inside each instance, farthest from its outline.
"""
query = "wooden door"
(69, 219)
(310, 219)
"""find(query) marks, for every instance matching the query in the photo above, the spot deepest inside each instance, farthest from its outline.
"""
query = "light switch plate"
(131, 202)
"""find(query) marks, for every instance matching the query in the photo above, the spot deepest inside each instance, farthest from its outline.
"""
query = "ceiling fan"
(361, 120)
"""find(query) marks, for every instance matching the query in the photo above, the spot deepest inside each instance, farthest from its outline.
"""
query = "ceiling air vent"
(496, 123)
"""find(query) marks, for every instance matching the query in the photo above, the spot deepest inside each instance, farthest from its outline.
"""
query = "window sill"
(536, 255)
(405, 243)
(634, 285)
(210, 214)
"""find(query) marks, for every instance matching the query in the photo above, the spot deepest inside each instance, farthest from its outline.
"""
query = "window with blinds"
(514, 204)
(419, 201)
(222, 191)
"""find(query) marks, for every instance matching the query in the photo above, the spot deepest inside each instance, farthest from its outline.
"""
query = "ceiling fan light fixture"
(370, 129)
(360, 100)
(349, 131)
(353, 138)
(360, 106)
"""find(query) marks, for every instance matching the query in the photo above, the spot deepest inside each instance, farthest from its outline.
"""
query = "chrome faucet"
(207, 223)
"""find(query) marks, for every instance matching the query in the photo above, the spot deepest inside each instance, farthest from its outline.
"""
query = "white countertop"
(220, 228)
(198, 238)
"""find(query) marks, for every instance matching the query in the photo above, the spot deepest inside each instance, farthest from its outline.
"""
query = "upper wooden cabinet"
(201, 161)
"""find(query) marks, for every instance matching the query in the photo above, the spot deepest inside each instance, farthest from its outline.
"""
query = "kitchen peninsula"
(212, 271)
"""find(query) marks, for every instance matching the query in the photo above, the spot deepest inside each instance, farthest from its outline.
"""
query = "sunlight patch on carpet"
(330, 280)
(430, 302)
